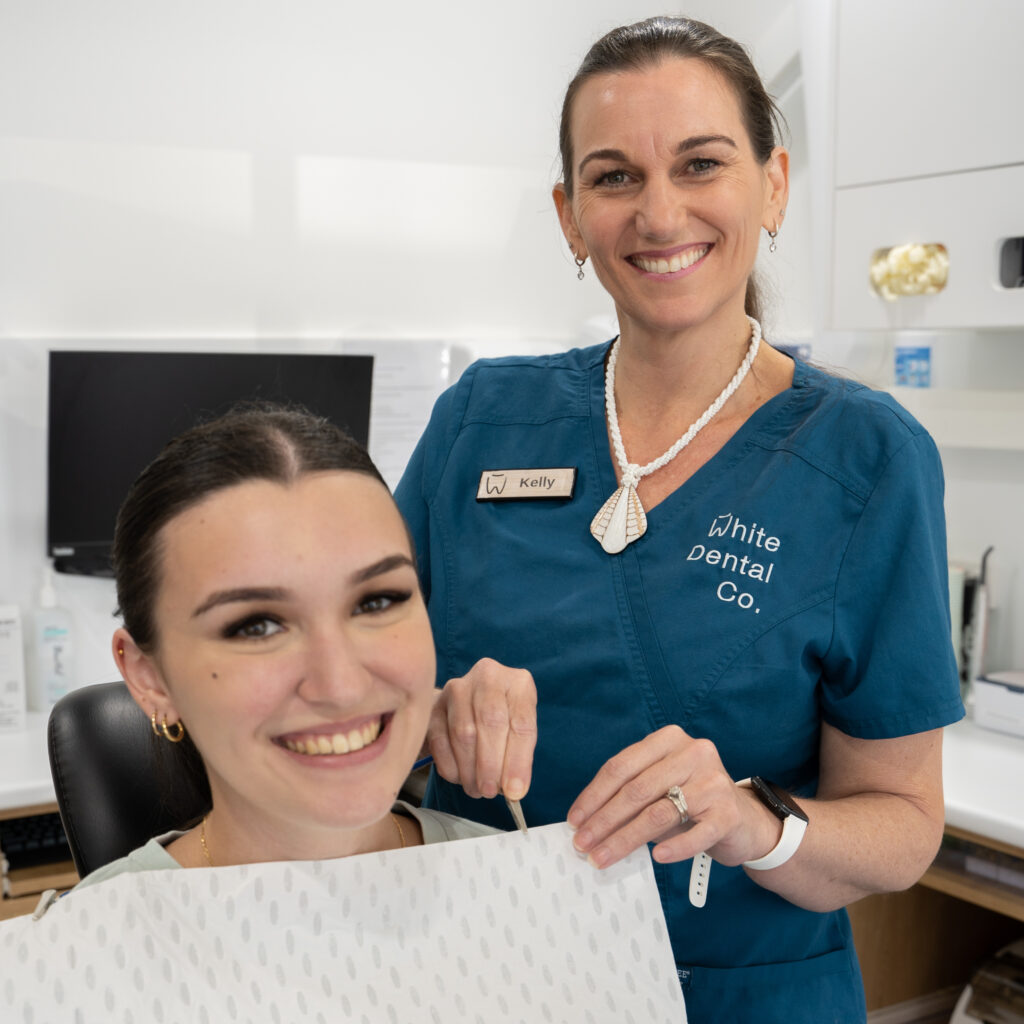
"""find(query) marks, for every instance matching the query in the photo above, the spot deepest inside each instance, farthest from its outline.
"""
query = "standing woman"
(722, 567)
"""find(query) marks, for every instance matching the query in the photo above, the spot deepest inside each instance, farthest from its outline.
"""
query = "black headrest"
(116, 788)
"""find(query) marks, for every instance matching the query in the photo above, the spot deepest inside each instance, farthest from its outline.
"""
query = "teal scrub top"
(799, 576)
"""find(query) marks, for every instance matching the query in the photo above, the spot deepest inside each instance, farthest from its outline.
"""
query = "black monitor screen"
(112, 412)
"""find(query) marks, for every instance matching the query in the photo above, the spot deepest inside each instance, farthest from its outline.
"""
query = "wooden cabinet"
(26, 884)
(26, 789)
(930, 939)
(927, 150)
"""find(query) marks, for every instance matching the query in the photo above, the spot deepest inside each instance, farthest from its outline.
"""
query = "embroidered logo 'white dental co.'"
(526, 484)
(746, 551)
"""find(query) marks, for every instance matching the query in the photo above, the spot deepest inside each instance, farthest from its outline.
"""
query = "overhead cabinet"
(929, 162)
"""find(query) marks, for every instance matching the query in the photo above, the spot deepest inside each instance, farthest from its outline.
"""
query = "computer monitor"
(110, 413)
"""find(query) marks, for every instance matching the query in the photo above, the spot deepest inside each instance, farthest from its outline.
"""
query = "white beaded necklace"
(621, 519)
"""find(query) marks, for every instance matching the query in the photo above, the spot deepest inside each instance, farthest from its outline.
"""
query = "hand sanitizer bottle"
(50, 648)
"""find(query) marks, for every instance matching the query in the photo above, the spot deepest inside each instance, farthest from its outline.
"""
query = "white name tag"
(526, 484)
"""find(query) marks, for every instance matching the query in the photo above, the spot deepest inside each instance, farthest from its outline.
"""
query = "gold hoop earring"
(178, 735)
(152, 724)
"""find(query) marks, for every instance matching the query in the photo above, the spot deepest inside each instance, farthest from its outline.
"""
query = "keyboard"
(38, 839)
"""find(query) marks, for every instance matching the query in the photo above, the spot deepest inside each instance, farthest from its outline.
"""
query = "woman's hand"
(483, 730)
(625, 806)
(874, 824)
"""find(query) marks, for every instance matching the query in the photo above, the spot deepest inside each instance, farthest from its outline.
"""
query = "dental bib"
(500, 928)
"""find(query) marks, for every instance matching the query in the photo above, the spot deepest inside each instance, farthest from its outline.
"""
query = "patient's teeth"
(338, 743)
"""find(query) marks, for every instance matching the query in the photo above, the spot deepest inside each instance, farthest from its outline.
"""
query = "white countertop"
(25, 766)
(983, 773)
(983, 777)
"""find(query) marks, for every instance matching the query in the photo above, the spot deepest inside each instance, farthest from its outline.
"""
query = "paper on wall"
(408, 376)
(502, 928)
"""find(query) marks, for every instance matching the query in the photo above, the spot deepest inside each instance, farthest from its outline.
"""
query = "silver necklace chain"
(622, 520)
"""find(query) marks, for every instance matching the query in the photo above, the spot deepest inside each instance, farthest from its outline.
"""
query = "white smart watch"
(788, 811)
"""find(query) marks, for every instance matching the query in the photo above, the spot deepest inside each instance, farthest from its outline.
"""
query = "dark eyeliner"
(393, 597)
(234, 629)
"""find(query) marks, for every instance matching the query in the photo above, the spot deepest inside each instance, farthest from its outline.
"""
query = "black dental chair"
(117, 784)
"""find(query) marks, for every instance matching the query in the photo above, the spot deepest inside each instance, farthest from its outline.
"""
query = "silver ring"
(675, 794)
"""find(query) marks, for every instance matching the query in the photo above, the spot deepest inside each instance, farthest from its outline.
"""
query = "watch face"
(776, 799)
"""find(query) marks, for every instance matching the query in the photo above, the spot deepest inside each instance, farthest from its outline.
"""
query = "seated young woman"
(273, 624)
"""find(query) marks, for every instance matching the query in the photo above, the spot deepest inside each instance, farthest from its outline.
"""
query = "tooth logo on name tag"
(526, 484)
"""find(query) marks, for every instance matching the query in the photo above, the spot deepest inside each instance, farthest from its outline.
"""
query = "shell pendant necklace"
(621, 519)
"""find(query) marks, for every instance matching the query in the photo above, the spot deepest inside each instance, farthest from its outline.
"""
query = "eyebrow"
(238, 595)
(693, 142)
(383, 566)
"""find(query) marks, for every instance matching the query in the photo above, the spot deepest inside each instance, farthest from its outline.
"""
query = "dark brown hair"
(253, 441)
(647, 43)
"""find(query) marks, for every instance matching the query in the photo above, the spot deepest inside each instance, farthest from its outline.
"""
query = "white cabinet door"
(970, 214)
(928, 87)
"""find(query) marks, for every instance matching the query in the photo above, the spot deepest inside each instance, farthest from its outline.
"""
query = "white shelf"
(956, 418)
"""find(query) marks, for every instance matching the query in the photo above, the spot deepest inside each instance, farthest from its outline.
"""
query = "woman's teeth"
(673, 263)
(339, 743)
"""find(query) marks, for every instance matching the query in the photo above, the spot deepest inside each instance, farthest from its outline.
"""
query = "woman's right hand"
(483, 730)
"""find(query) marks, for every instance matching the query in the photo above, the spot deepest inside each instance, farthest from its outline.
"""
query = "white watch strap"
(793, 829)
(700, 875)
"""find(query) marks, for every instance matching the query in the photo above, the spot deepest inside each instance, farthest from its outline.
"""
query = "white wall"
(281, 174)
(304, 174)
(310, 168)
